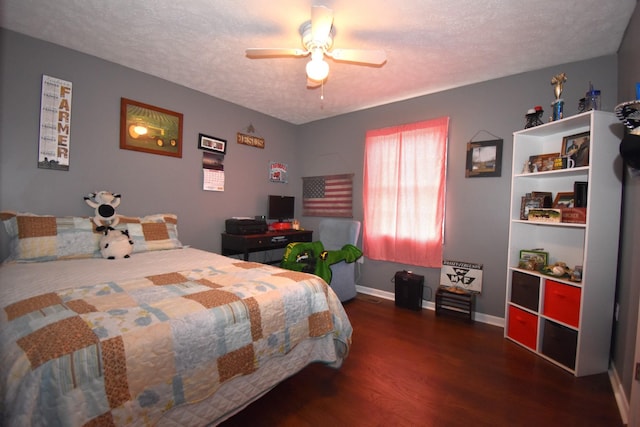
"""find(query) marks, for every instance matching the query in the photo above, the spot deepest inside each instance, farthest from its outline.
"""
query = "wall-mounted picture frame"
(564, 200)
(150, 129)
(577, 147)
(484, 159)
(211, 143)
(55, 124)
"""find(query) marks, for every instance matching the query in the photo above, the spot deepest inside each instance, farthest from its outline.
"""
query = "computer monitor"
(281, 208)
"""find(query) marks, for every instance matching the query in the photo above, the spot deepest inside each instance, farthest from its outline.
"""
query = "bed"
(170, 336)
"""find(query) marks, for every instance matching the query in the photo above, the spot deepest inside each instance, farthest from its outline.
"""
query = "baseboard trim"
(429, 305)
(618, 391)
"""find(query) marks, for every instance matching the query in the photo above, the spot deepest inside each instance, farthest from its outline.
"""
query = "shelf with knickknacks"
(559, 295)
(534, 117)
(591, 100)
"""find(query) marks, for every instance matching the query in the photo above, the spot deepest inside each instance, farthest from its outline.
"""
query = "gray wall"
(477, 209)
(148, 183)
(629, 273)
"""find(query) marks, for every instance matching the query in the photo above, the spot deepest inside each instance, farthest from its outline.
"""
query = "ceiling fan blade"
(270, 52)
(321, 22)
(374, 57)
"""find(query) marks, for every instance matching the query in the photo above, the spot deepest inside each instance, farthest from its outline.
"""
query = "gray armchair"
(334, 234)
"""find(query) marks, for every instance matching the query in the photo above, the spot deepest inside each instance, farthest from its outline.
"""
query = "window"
(404, 193)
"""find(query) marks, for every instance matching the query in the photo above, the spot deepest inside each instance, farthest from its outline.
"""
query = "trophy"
(557, 106)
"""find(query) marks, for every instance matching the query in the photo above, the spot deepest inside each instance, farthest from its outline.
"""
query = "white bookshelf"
(568, 323)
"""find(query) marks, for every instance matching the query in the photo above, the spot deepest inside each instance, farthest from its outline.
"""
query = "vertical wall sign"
(55, 124)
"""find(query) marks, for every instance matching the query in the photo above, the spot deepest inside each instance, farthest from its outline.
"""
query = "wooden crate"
(456, 304)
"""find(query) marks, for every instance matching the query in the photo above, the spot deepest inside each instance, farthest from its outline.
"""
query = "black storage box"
(560, 343)
(409, 288)
(525, 290)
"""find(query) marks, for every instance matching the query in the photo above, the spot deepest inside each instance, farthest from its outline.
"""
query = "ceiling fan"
(317, 39)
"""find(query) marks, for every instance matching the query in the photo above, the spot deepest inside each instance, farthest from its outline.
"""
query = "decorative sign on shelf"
(463, 276)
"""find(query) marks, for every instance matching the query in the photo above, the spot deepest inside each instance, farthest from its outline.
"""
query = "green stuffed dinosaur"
(310, 257)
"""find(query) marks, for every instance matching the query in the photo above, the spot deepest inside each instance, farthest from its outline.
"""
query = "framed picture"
(530, 202)
(150, 129)
(548, 197)
(577, 147)
(211, 143)
(564, 200)
(533, 259)
(484, 159)
(542, 162)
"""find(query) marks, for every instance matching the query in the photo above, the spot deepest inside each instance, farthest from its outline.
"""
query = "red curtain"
(404, 193)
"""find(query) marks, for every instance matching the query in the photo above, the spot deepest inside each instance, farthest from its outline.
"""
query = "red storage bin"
(523, 327)
(562, 302)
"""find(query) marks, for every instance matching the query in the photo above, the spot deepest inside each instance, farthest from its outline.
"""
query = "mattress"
(275, 322)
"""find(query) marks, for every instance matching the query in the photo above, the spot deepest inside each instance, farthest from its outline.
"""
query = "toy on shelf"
(534, 117)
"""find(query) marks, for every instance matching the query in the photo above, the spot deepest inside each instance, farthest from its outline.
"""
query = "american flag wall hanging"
(330, 195)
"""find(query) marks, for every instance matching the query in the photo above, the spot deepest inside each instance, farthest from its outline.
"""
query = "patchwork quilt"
(126, 352)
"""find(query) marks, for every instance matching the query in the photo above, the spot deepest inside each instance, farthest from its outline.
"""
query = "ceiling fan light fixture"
(317, 68)
(317, 38)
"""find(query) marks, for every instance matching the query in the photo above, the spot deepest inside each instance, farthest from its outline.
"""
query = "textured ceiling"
(430, 45)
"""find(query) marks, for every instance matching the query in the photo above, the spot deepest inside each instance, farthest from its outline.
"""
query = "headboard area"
(28, 237)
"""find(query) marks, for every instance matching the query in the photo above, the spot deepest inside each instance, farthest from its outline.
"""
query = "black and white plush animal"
(105, 204)
(115, 244)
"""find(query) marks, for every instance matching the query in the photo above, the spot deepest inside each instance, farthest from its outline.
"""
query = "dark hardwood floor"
(410, 368)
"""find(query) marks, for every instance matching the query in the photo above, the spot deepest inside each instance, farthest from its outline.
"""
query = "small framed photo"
(484, 159)
(530, 202)
(564, 200)
(577, 148)
(542, 162)
(211, 143)
(548, 197)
